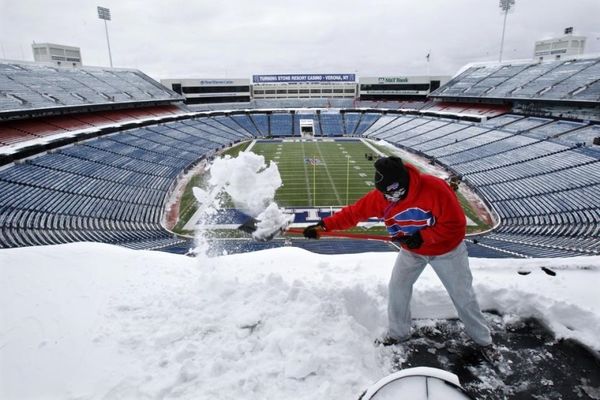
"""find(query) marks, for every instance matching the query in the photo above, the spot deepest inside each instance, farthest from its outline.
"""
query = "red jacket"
(431, 208)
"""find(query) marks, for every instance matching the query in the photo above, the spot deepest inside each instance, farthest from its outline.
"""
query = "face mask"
(395, 196)
(394, 192)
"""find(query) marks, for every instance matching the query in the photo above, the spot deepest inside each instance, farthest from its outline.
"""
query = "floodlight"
(104, 14)
(505, 6)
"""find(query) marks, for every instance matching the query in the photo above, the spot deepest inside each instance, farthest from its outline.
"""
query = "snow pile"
(94, 321)
(271, 221)
(248, 180)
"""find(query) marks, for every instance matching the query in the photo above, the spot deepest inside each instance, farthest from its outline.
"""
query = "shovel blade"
(249, 226)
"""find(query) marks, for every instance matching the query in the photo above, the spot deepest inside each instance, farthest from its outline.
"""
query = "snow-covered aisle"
(98, 321)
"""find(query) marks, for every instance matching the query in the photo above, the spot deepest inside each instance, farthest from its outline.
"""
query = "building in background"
(398, 88)
(304, 86)
(557, 48)
(202, 91)
(58, 54)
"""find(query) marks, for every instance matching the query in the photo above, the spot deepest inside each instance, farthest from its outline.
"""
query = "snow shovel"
(250, 227)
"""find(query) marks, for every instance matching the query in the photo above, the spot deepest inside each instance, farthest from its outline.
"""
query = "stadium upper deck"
(575, 80)
(37, 88)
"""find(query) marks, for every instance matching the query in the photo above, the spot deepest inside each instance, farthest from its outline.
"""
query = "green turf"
(340, 176)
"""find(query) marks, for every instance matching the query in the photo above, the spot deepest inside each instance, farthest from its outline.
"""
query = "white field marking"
(362, 175)
(352, 162)
(297, 187)
(300, 182)
(368, 183)
(251, 145)
(370, 146)
(308, 192)
(339, 176)
(357, 167)
(295, 194)
(337, 195)
(217, 226)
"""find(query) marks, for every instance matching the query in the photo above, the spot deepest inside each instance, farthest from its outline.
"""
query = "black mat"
(535, 365)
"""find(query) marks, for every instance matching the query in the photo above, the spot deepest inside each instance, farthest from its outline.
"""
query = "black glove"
(412, 242)
(314, 231)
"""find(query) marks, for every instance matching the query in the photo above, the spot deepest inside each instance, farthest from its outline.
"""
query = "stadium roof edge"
(508, 100)
(52, 65)
(64, 110)
(520, 61)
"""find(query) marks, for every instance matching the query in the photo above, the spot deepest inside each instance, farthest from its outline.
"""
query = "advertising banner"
(304, 78)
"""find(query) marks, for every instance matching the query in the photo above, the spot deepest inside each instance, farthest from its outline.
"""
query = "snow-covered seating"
(281, 124)
(351, 121)
(366, 120)
(331, 124)
(261, 121)
(565, 80)
(31, 86)
(245, 122)
(110, 189)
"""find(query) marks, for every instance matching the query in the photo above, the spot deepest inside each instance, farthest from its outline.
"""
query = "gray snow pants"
(453, 270)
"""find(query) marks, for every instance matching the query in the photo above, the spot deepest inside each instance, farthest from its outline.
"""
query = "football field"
(324, 174)
(320, 173)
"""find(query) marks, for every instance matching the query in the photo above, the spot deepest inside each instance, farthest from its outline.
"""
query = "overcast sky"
(239, 38)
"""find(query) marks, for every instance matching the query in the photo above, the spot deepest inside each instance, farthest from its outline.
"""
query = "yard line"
(337, 195)
(310, 197)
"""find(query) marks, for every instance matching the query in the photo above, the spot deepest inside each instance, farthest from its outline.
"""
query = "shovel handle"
(348, 235)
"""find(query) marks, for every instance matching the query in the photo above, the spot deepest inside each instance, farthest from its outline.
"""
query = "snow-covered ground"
(93, 321)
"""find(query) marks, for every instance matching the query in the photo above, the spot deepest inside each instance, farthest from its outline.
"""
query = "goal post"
(307, 128)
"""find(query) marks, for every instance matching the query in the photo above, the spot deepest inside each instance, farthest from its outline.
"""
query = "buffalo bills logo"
(409, 221)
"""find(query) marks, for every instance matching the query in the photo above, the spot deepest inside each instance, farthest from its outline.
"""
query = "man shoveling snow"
(423, 215)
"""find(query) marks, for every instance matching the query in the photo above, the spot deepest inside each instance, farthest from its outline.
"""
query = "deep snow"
(99, 321)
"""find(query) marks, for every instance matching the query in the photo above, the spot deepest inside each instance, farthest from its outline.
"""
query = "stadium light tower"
(505, 6)
(104, 13)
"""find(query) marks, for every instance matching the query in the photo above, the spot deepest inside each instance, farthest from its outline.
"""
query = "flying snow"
(270, 221)
(251, 184)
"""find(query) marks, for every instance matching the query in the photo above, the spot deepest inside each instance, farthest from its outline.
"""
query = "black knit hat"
(390, 174)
